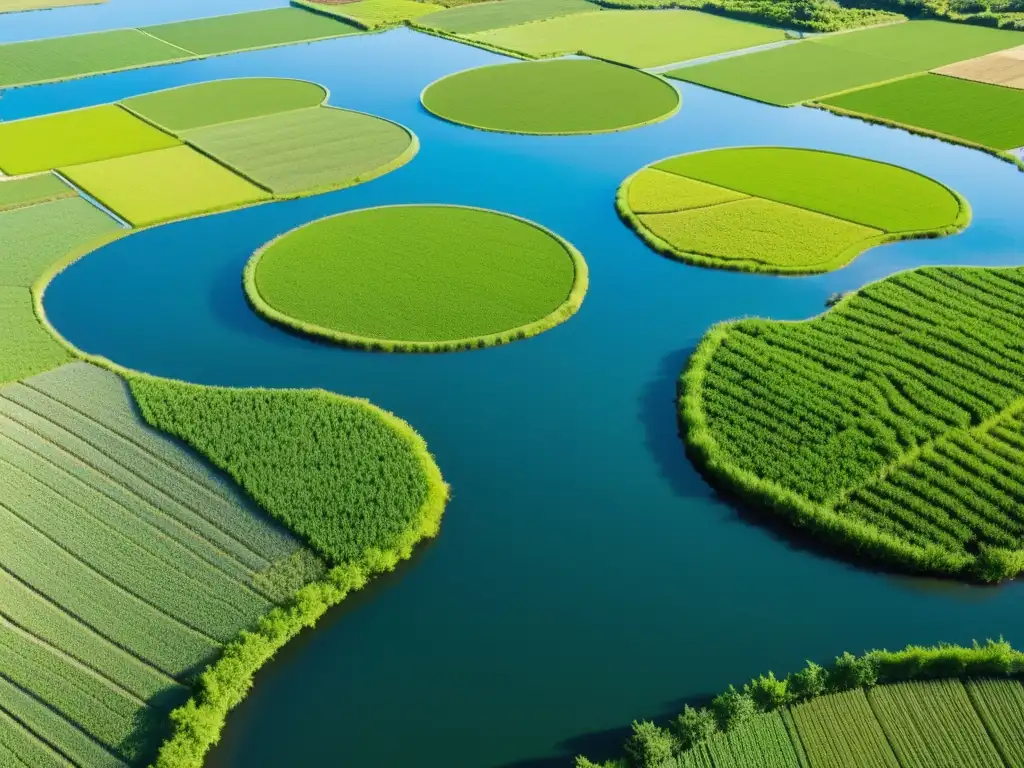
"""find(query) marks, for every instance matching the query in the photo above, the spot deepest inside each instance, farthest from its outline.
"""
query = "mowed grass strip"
(59, 58)
(223, 101)
(167, 184)
(840, 731)
(990, 115)
(458, 273)
(1000, 704)
(100, 133)
(480, 17)
(636, 38)
(15, 193)
(552, 97)
(306, 150)
(246, 31)
(656, 191)
(26, 347)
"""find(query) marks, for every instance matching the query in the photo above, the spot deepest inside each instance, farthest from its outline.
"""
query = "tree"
(732, 708)
(851, 672)
(768, 692)
(808, 682)
(693, 726)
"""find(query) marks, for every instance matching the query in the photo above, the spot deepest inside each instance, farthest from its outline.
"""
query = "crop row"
(1000, 704)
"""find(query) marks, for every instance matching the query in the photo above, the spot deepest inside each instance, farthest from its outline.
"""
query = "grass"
(15, 193)
(167, 184)
(463, 277)
(480, 17)
(374, 14)
(223, 101)
(773, 209)
(555, 97)
(889, 426)
(990, 115)
(60, 58)
(40, 143)
(636, 38)
(309, 149)
(1000, 704)
(247, 31)
(820, 67)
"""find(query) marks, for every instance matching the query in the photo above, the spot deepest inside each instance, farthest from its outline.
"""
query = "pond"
(585, 574)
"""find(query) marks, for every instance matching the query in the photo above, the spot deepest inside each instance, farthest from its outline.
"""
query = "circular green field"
(552, 97)
(417, 278)
(783, 210)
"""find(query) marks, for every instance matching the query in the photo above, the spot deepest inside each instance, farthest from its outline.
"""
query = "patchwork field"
(167, 184)
(13, 6)
(1004, 68)
(990, 115)
(782, 210)
(373, 14)
(308, 149)
(40, 143)
(819, 67)
(464, 278)
(552, 97)
(502, 13)
(15, 193)
(636, 38)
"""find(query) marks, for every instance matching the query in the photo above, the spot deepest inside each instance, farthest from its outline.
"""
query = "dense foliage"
(890, 425)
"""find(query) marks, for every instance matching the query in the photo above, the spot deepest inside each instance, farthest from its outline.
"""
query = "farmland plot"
(840, 731)
(373, 14)
(1004, 68)
(25, 347)
(762, 741)
(16, 193)
(480, 17)
(1000, 704)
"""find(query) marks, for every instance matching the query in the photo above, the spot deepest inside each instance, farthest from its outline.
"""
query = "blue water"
(585, 574)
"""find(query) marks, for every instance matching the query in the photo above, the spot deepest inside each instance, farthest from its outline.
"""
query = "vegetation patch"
(776, 209)
(816, 68)
(224, 101)
(16, 193)
(636, 38)
(13, 6)
(100, 133)
(990, 115)
(308, 150)
(464, 278)
(373, 14)
(167, 184)
(552, 97)
(1004, 68)
(25, 347)
(480, 17)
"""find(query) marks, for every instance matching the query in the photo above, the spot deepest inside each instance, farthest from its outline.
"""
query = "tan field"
(1001, 68)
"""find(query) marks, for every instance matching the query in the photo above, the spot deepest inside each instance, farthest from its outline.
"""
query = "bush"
(732, 708)
(650, 746)
(768, 693)
(809, 682)
(693, 726)
(851, 672)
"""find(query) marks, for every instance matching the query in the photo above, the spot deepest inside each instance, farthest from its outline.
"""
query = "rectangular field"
(840, 731)
(502, 13)
(373, 14)
(15, 193)
(78, 55)
(1004, 68)
(636, 38)
(762, 741)
(246, 31)
(167, 184)
(13, 6)
(990, 115)
(100, 133)
(1000, 703)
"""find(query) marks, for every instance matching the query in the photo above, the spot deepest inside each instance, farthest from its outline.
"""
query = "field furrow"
(1000, 704)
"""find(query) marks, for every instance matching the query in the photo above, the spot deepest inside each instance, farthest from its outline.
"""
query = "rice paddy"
(15, 193)
(13, 6)
(552, 97)
(480, 17)
(782, 210)
(463, 277)
(636, 38)
(1004, 68)
(374, 14)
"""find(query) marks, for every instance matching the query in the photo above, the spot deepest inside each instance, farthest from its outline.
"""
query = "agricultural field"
(636, 38)
(989, 115)
(552, 97)
(25, 347)
(495, 14)
(840, 730)
(1004, 68)
(782, 210)
(167, 184)
(1000, 704)
(16, 193)
(39, 143)
(13, 6)
(374, 14)
(308, 149)
(463, 277)
(822, 66)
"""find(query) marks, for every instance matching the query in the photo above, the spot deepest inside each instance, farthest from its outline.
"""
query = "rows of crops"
(889, 423)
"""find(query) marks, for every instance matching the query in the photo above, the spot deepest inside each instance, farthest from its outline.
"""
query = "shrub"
(732, 708)
(809, 682)
(650, 746)
(693, 726)
(851, 671)
(768, 693)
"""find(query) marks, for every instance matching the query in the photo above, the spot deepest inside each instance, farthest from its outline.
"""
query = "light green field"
(457, 273)
(1000, 704)
(12, 6)
(41, 143)
(654, 191)
(306, 150)
(826, 65)
(990, 115)
(15, 193)
(637, 38)
(64, 57)
(25, 348)
(222, 101)
(245, 31)
(552, 97)
(163, 185)
(376, 13)
(502, 13)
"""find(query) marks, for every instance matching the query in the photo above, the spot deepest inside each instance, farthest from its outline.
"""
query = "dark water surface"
(585, 574)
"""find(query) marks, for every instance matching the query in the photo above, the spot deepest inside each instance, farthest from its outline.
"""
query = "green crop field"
(637, 38)
(40, 143)
(306, 150)
(12, 6)
(840, 730)
(223, 101)
(459, 274)
(16, 193)
(167, 184)
(990, 115)
(65, 57)
(762, 741)
(480, 17)
(245, 31)
(782, 210)
(25, 347)
(373, 14)
(823, 66)
(551, 97)
(890, 425)
(1000, 704)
